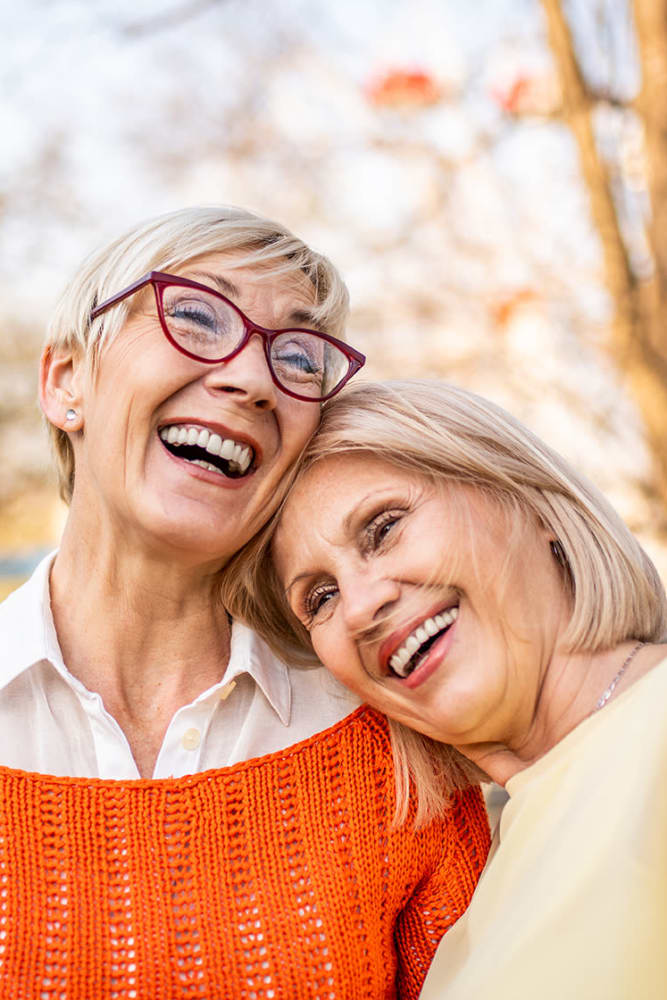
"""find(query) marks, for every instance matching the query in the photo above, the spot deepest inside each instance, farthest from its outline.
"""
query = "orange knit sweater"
(275, 879)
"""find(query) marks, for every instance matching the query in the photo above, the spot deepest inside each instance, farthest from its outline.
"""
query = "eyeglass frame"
(161, 279)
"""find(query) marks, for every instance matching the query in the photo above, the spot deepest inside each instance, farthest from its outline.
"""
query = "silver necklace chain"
(606, 694)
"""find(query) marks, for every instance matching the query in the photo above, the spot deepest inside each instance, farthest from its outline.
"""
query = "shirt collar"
(250, 654)
(26, 624)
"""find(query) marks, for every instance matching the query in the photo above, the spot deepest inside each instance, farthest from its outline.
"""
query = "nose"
(246, 376)
(366, 599)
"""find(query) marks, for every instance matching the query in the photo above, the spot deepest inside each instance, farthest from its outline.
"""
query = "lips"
(402, 652)
(210, 447)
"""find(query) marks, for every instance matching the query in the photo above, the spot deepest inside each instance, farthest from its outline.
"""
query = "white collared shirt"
(52, 724)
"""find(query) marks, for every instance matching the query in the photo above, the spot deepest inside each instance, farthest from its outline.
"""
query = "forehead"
(321, 506)
(332, 497)
(338, 483)
(274, 279)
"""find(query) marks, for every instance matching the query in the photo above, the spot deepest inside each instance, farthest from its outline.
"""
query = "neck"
(569, 693)
(142, 629)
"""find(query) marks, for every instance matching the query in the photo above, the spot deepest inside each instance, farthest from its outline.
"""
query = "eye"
(317, 601)
(297, 361)
(192, 311)
(297, 357)
(379, 528)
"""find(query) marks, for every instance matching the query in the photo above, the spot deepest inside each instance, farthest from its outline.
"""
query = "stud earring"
(70, 415)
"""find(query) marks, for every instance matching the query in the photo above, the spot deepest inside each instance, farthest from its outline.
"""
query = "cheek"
(338, 653)
(325, 648)
(299, 424)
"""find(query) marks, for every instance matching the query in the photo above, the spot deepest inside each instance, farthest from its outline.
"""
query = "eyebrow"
(224, 285)
(297, 579)
(302, 317)
(347, 523)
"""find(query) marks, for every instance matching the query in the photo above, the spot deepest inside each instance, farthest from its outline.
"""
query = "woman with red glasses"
(183, 815)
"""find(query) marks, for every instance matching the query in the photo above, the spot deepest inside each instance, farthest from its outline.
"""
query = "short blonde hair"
(449, 435)
(171, 241)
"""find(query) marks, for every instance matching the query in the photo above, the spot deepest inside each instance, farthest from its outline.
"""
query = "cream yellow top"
(572, 904)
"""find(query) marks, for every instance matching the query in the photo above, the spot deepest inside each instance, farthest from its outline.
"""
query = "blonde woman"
(458, 576)
(182, 815)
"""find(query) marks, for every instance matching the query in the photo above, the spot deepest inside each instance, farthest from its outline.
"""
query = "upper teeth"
(426, 630)
(235, 453)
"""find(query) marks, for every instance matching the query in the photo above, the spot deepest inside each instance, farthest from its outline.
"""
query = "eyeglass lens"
(206, 326)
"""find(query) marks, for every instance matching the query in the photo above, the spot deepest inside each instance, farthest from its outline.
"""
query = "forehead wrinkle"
(299, 316)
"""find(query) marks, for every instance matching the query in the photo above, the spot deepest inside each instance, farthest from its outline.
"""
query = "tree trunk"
(651, 25)
(637, 339)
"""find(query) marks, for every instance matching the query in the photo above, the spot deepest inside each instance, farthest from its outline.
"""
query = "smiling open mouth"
(414, 648)
(208, 450)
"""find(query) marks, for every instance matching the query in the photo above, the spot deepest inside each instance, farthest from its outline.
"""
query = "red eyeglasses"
(204, 325)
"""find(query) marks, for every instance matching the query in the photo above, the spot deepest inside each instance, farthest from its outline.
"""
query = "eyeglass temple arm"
(115, 299)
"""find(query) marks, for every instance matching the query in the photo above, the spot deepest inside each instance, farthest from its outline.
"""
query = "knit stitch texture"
(276, 879)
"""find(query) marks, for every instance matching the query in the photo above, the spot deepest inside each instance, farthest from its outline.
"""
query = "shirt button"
(191, 739)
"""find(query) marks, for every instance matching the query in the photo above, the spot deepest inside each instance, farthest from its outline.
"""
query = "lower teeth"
(232, 466)
(207, 465)
(416, 659)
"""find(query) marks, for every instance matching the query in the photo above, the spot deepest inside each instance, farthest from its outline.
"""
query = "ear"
(61, 373)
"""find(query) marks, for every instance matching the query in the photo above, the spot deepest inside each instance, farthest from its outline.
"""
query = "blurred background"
(489, 176)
